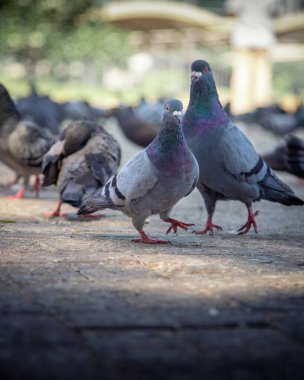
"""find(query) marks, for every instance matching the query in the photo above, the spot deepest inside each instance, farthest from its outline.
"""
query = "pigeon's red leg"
(176, 223)
(250, 221)
(37, 186)
(209, 227)
(145, 239)
(19, 195)
(56, 212)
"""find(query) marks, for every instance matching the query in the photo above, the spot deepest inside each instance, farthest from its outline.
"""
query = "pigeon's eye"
(167, 108)
(205, 69)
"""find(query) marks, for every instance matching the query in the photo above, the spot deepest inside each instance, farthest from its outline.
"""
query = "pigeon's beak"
(178, 115)
(195, 75)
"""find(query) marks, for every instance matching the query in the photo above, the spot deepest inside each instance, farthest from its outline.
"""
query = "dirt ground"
(79, 300)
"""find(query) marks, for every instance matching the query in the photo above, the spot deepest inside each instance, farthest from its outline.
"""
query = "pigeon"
(22, 142)
(140, 132)
(81, 162)
(273, 118)
(42, 110)
(288, 157)
(81, 109)
(230, 168)
(150, 112)
(154, 180)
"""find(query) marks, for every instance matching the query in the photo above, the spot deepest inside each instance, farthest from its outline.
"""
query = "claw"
(145, 239)
(250, 222)
(175, 224)
(209, 227)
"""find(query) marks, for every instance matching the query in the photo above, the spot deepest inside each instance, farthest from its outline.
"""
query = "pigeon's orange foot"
(19, 195)
(250, 222)
(54, 214)
(145, 239)
(175, 224)
(209, 228)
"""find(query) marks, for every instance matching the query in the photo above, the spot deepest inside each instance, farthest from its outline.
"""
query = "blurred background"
(112, 52)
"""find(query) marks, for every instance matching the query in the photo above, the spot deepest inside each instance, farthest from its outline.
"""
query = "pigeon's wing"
(98, 167)
(102, 154)
(75, 179)
(28, 143)
(239, 156)
(135, 180)
(51, 164)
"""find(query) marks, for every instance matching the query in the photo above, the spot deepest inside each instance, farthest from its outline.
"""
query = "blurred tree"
(56, 30)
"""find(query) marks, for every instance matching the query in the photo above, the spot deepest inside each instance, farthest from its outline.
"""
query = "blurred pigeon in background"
(288, 157)
(23, 143)
(150, 111)
(154, 180)
(42, 110)
(230, 168)
(81, 109)
(81, 162)
(274, 119)
(139, 124)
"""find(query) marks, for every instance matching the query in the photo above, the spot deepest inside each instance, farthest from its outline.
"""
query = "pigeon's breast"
(171, 187)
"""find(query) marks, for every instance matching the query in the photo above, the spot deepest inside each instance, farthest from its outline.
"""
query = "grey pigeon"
(230, 168)
(22, 142)
(154, 180)
(81, 162)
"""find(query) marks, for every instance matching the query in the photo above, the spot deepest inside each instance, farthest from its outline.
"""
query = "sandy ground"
(79, 300)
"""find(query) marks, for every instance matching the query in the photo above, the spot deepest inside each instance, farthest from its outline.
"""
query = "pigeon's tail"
(275, 190)
(94, 203)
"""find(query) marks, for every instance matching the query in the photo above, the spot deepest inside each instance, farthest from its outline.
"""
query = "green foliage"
(89, 42)
(58, 30)
(288, 78)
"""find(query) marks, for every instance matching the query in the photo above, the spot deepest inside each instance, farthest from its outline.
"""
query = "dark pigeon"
(230, 168)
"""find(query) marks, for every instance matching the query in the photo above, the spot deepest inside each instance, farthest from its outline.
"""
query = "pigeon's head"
(3, 92)
(173, 110)
(202, 83)
(200, 71)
